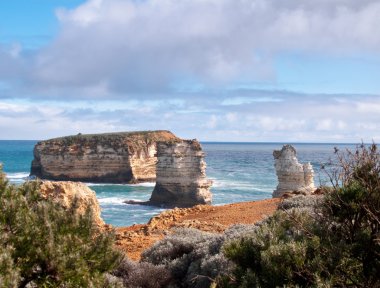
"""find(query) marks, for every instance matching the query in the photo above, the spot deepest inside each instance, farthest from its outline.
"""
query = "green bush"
(337, 244)
(44, 245)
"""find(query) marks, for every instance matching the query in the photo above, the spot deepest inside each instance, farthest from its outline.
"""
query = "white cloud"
(148, 46)
(373, 107)
(212, 122)
(231, 117)
(296, 118)
(11, 108)
(325, 124)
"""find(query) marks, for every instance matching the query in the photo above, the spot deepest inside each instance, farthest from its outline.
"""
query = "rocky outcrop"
(127, 157)
(292, 176)
(181, 175)
(65, 193)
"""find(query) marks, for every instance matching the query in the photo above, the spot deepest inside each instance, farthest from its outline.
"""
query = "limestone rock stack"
(127, 157)
(292, 175)
(65, 193)
(181, 175)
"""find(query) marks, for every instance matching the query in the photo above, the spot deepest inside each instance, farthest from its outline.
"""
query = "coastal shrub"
(336, 246)
(354, 214)
(268, 256)
(301, 201)
(44, 245)
(113, 281)
(9, 274)
(239, 230)
(193, 257)
(135, 274)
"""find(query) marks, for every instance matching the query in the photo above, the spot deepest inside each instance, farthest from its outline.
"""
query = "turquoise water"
(240, 172)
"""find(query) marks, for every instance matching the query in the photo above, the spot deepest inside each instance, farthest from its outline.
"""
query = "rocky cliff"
(292, 176)
(127, 157)
(65, 193)
(181, 177)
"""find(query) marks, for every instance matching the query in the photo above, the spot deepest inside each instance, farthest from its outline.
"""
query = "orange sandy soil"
(135, 239)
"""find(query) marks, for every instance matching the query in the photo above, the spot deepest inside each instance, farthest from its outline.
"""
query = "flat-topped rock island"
(125, 157)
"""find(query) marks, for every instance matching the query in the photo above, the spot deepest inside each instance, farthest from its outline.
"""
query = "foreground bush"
(44, 245)
(192, 257)
(135, 274)
(337, 244)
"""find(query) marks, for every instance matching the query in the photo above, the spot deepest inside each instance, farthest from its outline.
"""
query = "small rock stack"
(181, 175)
(292, 175)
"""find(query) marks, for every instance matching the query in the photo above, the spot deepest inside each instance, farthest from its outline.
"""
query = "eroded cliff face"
(181, 175)
(292, 175)
(127, 157)
(65, 193)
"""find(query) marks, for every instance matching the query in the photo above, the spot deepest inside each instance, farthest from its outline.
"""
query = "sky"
(215, 70)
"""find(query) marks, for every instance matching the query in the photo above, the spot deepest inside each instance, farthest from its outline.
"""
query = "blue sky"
(226, 70)
(31, 23)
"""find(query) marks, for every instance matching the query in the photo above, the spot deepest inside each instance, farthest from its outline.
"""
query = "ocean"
(240, 172)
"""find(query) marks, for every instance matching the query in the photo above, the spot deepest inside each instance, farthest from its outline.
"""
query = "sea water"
(240, 172)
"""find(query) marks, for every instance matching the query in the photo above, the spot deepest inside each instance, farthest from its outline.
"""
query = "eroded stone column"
(292, 175)
(181, 175)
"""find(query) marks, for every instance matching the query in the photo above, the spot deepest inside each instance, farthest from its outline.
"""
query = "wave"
(111, 200)
(18, 175)
(149, 184)
(238, 185)
(154, 213)
(104, 184)
(146, 184)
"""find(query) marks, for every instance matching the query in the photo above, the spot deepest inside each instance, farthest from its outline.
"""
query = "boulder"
(127, 157)
(292, 175)
(65, 193)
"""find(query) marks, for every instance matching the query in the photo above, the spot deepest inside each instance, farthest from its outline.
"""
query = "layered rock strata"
(66, 193)
(181, 175)
(128, 157)
(292, 175)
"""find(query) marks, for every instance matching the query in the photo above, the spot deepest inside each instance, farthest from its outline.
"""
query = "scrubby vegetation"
(192, 257)
(144, 274)
(330, 240)
(117, 139)
(336, 244)
(44, 245)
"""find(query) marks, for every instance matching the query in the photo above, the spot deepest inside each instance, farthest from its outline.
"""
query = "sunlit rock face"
(181, 175)
(127, 157)
(65, 193)
(292, 175)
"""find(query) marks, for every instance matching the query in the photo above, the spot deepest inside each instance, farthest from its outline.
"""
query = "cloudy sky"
(215, 70)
